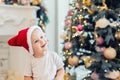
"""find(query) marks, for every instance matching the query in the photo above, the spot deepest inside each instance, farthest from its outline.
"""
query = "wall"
(57, 10)
(63, 6)
(51, 27)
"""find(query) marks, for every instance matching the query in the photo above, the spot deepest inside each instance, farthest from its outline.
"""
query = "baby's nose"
(43, 41)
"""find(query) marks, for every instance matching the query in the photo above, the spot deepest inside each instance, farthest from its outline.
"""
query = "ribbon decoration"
(109, 36)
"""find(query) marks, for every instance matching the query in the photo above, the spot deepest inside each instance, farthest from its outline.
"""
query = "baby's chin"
(45, 48)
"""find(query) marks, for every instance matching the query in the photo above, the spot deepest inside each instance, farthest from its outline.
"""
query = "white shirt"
(43, 68)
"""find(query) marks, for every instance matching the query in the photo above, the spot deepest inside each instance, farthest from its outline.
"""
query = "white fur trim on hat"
(29, 33)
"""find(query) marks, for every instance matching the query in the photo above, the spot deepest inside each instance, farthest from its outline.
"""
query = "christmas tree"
(92, 38)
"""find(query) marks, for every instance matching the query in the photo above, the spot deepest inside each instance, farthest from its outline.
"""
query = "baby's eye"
(36, 41)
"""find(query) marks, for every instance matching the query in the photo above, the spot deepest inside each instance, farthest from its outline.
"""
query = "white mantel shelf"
(14, 18)
(19, 6)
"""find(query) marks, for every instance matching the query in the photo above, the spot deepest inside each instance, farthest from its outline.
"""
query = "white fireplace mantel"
(14, 18)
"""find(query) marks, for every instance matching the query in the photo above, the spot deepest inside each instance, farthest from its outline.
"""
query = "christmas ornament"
(66, 76)
(118, 78)
(70, 13)
(109, 53)
(117, 35)
(87, 60)
(94, 76)
(103, 6)
(79, 27)
(68, 45)
(99, 40)
(87, 4)
(82, 38)
(74, 29)
(102, 49)
(63, 36)
(77, 5)
(73, 60)
(36, 2)
(102, 23)
(113, 75)
(68, 22)
(1, 1)
(25, 2)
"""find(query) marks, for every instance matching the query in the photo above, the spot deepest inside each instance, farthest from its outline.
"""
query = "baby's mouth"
(43, 45)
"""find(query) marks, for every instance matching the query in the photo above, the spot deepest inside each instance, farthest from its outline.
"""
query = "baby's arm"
(28, 78)
(60, 69)
(59, 74)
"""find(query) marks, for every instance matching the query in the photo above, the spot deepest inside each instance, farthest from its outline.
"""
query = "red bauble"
(68, 45)
(73, 60)
(99, 40)
(109, 53)
(79, 27)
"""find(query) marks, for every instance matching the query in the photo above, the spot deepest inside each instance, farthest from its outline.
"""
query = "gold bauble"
(109, 53)
(36, 2)
(63, 36)
(73, 60)
(117, 35)
(74, 29)
(87, 60)
(113, 75)
(66, 76)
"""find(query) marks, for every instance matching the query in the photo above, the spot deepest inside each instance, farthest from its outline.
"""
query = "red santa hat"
(23, 38)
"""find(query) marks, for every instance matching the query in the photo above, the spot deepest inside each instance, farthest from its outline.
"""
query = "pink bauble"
(102, 49)
(79, 27)
(68, 45)
(95, 76)
(99, 40)
(70, 13)
(77, 5)
(68, 22)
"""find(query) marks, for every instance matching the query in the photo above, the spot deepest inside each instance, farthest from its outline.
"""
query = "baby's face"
(39, 42)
